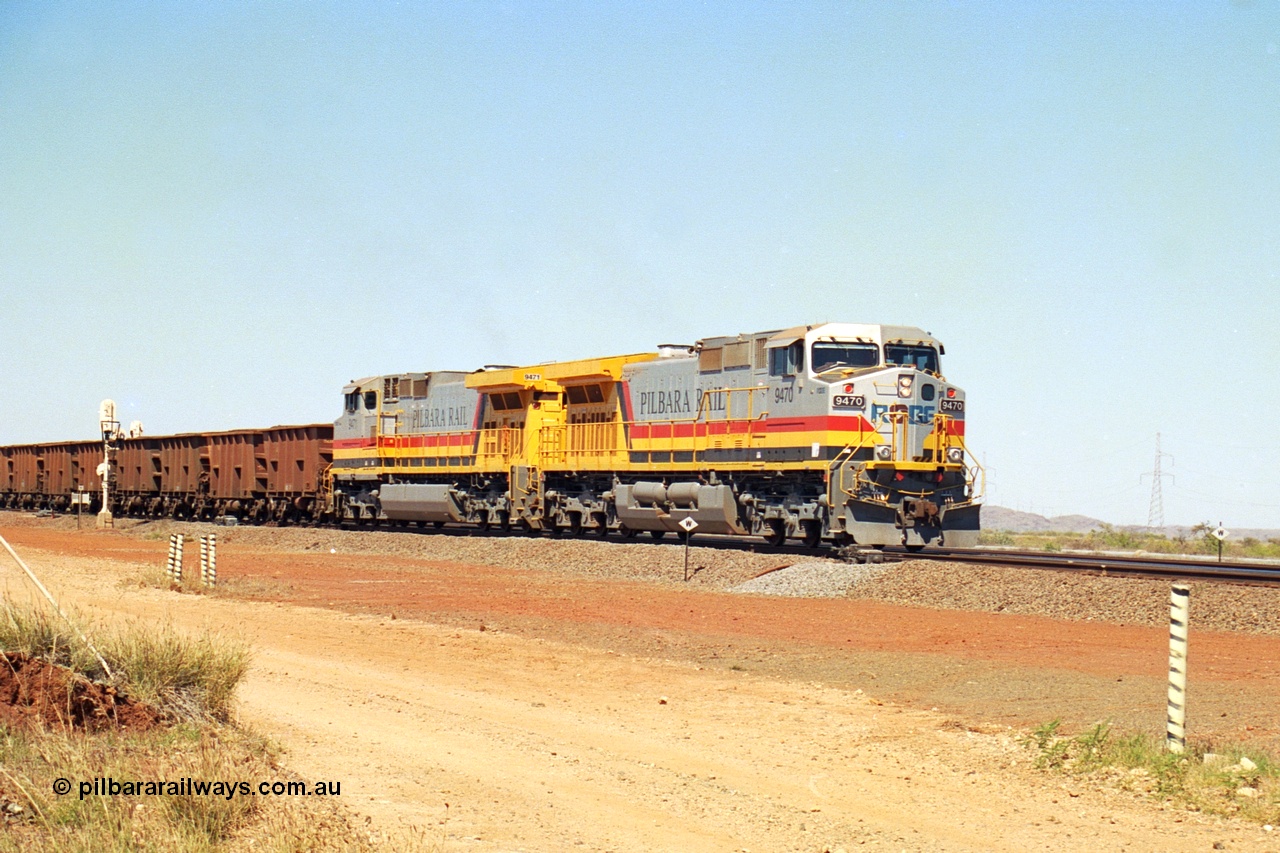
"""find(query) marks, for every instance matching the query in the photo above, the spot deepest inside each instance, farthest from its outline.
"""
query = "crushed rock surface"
(813, 579)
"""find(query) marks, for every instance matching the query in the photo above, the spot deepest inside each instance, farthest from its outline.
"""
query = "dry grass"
(191, 678)
(31, 761)
(1214, 777)
(250, 587)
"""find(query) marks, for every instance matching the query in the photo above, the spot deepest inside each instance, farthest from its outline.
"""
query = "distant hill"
(1015, 521)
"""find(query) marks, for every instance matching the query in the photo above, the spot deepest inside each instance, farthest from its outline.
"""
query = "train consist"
(833, 432)
(840, 432)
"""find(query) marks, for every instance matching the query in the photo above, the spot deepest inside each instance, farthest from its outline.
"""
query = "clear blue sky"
(218, 213)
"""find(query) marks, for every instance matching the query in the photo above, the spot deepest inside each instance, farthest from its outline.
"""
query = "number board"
(848, 401)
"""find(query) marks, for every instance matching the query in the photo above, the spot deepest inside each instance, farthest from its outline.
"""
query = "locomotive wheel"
(504, 521)
(627, 532)
(777, 532)
(602, 526)
(914, 549)
(657, 534)
(812, 533)
(575, 525)
(483, 524)
(437, 524)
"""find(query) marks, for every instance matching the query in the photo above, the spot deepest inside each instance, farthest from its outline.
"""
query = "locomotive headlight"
(884, 453)
(905, 382)
(955, 455)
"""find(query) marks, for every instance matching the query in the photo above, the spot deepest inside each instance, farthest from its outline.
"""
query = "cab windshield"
(912, 355)
(829, 355)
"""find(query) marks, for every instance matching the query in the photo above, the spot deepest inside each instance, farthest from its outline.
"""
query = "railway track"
(1179, 567)
(1183, 568)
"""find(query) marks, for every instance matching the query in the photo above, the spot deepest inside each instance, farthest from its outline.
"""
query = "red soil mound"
(35, 692)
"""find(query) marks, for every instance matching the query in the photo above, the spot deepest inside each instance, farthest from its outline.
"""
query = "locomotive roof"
(369, 380)
(591, 367)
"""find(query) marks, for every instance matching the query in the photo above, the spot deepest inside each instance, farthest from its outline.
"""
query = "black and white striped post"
(174, 569)
(209, 560)
(1179, 613)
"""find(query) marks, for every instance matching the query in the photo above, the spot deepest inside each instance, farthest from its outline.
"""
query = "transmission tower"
(1155, 514)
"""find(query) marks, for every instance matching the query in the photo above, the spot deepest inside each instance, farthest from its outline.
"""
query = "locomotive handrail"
(977, 483)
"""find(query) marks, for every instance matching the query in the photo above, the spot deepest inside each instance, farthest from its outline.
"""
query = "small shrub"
(188, 677)
(38, 632)
(192, 677)
(1188, 778)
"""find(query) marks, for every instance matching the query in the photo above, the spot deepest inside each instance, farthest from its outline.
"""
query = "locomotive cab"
(894, 431)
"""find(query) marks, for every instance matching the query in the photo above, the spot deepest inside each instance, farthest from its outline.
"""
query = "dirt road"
(598, 724)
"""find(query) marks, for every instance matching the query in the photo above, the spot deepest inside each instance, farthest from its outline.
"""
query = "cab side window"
(787, 361)
(795, 356)
(777, 361)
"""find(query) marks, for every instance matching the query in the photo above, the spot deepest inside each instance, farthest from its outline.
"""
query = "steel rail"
(1111, 564)
(1171, 566)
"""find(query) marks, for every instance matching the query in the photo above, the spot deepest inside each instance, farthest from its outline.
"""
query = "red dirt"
(33, 692)
(998, 667)
(417, 588)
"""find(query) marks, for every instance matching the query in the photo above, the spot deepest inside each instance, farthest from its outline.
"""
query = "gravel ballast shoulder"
(813, 579)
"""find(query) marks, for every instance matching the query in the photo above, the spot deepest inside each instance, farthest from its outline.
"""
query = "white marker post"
(209, 560)
(81, 500)
(1179, 613)
(175, 558)
(688, 525)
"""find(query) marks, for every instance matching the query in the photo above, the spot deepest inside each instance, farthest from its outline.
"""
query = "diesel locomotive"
(839, 432)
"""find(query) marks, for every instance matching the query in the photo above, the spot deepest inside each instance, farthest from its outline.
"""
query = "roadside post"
(209, 560)
(174, 568)
(1220, 534)
(688, 525)
(1179, 613)
(81, 500)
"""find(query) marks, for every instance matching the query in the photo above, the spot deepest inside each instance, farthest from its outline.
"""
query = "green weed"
(1225, 779)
